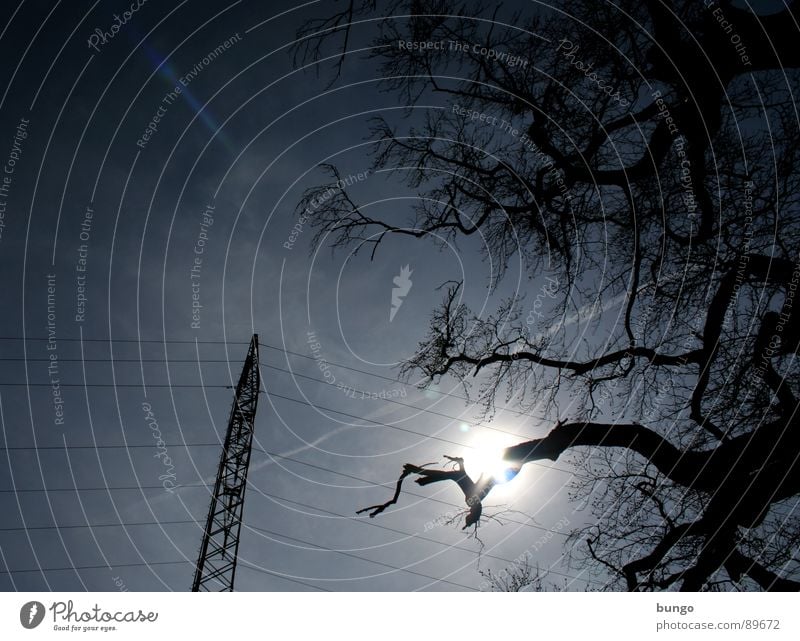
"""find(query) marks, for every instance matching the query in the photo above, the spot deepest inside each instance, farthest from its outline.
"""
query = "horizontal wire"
(92, 526)
(105, 447)
(271, 532)
(342, 413)
(263, 365)
(123, 360)
(305, 505)
(96, 525)
(99, 488)
(424, 538)
(122, 340)
(273, 367)
(361, 558)
(311, 378)
(244, 564)
(266, 345)
(116, 385)
(197, 361)
(403, 429)
(57, 448)
(142, 564)
(312, 465)
(94, 567)
(408, 405)
(253, 527)
(370, 483)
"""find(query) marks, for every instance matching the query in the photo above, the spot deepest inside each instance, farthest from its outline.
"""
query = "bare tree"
(519, 577)
(647, 160)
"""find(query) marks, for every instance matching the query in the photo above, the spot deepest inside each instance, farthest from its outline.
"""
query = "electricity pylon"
(216, 565)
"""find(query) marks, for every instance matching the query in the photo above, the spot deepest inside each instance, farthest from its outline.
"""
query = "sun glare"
(485, 456)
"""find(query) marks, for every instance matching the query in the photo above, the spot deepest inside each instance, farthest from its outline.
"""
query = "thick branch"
(738, 564)
(685, 468)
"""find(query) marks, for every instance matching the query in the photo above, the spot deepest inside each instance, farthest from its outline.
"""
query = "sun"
(488, 462)
(485, 456)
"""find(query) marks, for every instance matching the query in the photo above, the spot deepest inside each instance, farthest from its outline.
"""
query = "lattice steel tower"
(216, 565)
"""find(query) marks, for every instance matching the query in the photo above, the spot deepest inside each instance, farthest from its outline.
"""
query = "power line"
(272, 367)
(317, 380)
(272, 347)
(187, 445)
(115, 385)
(198, 361)
(294, 374)
(403, 429)
(408, 405)
(166, 361)
(271, 532)
(156, 386)
(385, 378)
(248, 566)
(133, 565)
(391, 483)
(61, 339)
(106, 447)
(92, 526)
(336, 411)
(424, 538)
(93, 567)
(98, 489)
(369, 483)
(301, 504)
(361, 558)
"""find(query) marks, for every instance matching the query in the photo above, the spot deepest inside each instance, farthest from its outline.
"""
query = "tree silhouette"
(520, 577)
(644, 157)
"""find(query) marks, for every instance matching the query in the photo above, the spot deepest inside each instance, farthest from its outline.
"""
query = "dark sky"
(246, 135)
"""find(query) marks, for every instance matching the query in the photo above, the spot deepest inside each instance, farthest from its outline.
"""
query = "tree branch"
(681, 467)
(738, 564)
